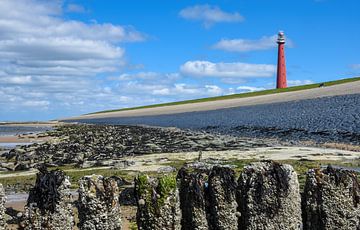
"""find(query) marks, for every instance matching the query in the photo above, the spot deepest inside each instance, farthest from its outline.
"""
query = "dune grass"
(240, 95)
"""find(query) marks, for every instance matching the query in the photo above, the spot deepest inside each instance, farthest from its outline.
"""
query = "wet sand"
(23, 139)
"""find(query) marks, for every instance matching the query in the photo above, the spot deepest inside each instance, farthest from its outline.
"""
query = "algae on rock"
(193, 183)
(49, 203)
(268, 197)
(222, 199)
(331, 200)
(158, 203)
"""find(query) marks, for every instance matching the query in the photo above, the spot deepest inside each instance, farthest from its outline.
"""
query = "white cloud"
(41, 103)
(244, 45)
(163, 91)
(214, 89)
(189, 91)
(249, 88)
(299, 82)
(167, 90)
(35, 39)
(209, 15)
(140, 75)
(17, 80)
(233, 80)
(227, 70)
(148, 77)
(49, 61)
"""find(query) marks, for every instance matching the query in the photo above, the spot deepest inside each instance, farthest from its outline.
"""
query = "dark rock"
(331, 200)
(193, 184)
(158, 203)
(15, 217)
(105, 145)
(49, 203)
(127, 197)
(222, 199)
(98, 203)
(22, 167)
(268, 197)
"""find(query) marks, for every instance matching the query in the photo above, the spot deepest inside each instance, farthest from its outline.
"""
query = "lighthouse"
(281, 67)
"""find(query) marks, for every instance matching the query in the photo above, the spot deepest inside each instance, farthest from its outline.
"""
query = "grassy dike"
(240, 95)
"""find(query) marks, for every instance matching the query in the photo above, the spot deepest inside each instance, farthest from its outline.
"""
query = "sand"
(23, 139)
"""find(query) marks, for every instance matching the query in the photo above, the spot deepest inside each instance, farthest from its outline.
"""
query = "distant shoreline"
(32, 124)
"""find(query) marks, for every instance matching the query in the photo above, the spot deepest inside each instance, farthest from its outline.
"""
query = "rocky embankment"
(105, 145)
(320, 120)
(265, 196)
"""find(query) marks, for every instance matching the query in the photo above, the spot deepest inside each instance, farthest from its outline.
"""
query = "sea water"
(17, 130)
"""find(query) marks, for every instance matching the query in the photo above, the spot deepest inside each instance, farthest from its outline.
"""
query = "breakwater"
(328, 119)
(266, 195)
(105, 145)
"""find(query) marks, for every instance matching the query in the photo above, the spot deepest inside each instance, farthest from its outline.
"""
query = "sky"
(63, 58)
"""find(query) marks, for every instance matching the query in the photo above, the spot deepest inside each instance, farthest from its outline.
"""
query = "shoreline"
(32, 124)
(27, 138)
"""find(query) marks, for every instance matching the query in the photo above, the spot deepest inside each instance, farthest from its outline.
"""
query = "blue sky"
(65, 58)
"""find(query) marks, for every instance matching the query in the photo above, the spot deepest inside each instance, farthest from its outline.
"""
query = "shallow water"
(17, 197)
(22, 197)
(10, 145)
(17, 130)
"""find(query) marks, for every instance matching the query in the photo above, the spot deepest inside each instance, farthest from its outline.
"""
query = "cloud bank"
(47, 60)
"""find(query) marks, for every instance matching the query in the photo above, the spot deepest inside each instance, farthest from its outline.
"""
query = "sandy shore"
(23, 139)
(336, 90)
(27, 138)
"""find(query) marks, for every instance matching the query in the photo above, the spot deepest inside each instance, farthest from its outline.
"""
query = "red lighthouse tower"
(281, 67)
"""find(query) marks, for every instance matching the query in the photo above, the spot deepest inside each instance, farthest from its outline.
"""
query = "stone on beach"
(98, 203)
(268, 197)
(331, 200)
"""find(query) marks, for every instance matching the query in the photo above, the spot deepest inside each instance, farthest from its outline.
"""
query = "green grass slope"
(240, 95)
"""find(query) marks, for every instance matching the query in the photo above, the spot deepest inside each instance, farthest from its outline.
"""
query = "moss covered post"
(158, 203)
